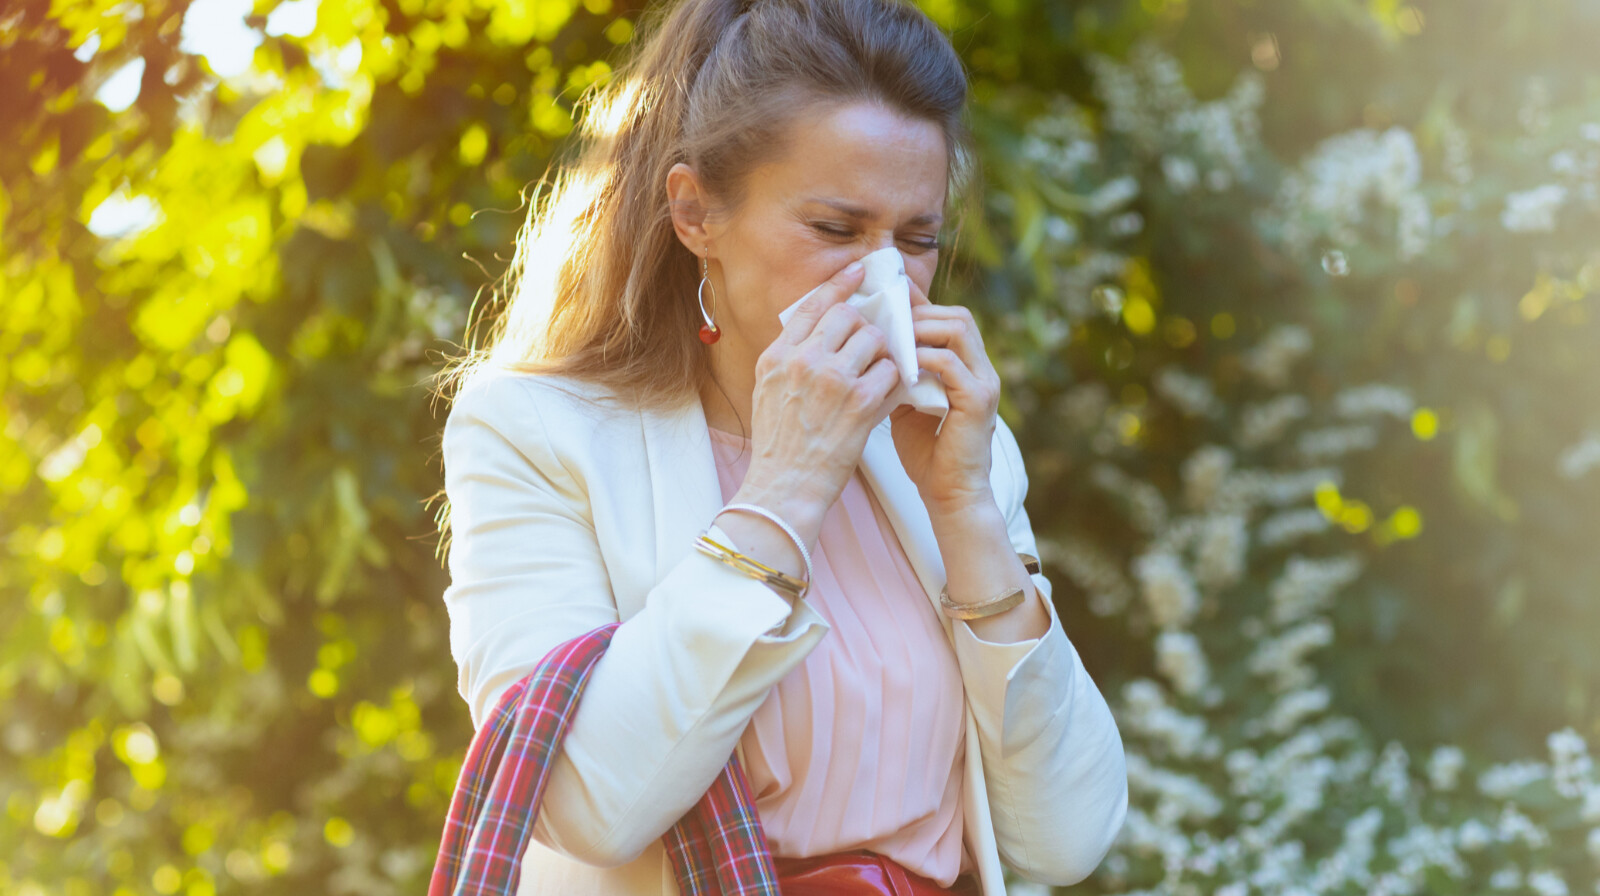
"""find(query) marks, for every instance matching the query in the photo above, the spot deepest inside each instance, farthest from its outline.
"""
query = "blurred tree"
(228, 270)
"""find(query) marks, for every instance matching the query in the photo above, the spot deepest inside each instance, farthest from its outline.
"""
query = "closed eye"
(840, 233)
(832, 231)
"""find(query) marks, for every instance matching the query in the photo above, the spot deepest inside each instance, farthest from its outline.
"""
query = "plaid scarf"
(717, 847)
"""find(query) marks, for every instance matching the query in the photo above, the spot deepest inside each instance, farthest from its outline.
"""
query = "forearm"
(980, 562)
(664, 708)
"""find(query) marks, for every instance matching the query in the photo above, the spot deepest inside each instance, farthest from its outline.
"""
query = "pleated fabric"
(861, 746)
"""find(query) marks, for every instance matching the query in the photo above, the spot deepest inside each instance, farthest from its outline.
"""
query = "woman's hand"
(951, 471)
(819, 386)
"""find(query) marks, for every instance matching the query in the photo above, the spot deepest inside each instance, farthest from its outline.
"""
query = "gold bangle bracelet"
(752, 567)
(998, 604)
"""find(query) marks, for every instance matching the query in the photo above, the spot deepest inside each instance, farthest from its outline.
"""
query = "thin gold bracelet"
(752, 567)
(997, 604)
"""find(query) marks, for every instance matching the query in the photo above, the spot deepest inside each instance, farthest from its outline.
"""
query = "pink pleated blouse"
(861, 746)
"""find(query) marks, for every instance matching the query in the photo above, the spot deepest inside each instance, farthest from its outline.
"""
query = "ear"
(687, 201)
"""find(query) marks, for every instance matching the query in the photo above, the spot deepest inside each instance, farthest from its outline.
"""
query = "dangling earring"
(709, 332)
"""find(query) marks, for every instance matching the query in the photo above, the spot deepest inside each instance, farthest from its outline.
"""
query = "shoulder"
(495, 391)
(545, 417)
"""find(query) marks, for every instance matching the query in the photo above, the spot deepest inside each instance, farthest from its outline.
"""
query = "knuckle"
(862, 396)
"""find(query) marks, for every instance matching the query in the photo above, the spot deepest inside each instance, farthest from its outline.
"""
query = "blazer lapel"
(902, 504)
(684, 490)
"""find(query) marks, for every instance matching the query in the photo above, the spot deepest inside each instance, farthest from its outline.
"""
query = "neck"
(729, 399)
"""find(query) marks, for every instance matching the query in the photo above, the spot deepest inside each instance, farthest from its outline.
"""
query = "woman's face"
(852, 179)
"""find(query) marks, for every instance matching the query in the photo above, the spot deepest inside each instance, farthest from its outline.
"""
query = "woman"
(641, 391)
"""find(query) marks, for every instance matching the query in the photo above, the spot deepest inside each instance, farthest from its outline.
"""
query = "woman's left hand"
(951, 471)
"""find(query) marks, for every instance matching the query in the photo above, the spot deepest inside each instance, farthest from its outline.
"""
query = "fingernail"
(854, 266)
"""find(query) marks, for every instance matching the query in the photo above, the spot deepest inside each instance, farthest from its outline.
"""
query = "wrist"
(802, 514)
(963, 508)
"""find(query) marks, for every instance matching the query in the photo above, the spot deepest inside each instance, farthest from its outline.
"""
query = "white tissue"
(884, 298)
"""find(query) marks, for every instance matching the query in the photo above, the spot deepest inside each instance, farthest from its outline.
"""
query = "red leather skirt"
(860, 872)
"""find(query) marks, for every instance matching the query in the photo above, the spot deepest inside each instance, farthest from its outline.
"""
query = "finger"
(958, 380)
(881, 377)
(865, 345)
(918, 295)
(833, 291)
(957, 333)
(839, 322)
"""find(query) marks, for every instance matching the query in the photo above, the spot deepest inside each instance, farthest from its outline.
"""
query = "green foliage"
(1293, 307)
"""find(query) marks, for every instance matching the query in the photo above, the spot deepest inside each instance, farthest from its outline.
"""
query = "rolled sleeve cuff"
(786, 623)
(996, 673)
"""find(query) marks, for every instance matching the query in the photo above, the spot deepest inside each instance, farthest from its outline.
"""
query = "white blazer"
(564, 518)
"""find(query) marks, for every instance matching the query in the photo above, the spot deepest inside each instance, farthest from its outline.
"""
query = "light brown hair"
(600, 289)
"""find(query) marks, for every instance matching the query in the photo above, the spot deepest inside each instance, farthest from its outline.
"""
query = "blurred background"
(1294, 304)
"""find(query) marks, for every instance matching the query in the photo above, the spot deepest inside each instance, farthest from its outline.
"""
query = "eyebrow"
(856, 211)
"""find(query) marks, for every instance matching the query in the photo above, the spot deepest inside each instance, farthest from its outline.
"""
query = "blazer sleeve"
(667, 703)
(1053, 760)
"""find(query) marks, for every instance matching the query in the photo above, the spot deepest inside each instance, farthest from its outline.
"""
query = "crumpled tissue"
(884, 298)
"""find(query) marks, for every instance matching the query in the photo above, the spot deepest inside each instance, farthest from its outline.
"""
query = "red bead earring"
(709, 332)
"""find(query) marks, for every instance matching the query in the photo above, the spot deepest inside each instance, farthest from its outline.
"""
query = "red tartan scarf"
(717, 847)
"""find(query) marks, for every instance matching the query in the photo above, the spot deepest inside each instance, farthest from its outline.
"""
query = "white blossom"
(1147, 507)
(1444, 767)
(1512, 826)
(1308, 583)
(1220, 550)
(1329, 195)
(1203, 473)
(1374, 399)
(1546, 882)
(1337, 441)
(1179, 657)
(1169, 592)
(1473, 835)
(1507, 878)
(1502, 780)
(1145, 712)
(1191, 395)
(1591, 804)
(1095, 571)
(1390, 774)
(1283, 658)
(1113, 194)
(1581, 457)
(1533, 210)
(1570, 762)
(1180, 172)
(1292, 709)
(1270, 360)
(1266, 421)
(1291, 525)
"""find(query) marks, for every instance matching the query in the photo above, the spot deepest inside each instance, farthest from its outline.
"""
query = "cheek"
(920, 269)
(774, 271)
(806, 262)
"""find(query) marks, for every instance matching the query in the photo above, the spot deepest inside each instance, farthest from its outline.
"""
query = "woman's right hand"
(818, 388)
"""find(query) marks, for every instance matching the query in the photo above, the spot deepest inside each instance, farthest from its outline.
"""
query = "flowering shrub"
(1219, 534)
(1303, 371)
